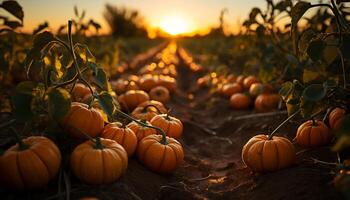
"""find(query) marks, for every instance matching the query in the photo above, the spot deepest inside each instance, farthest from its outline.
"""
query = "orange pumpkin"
(258, 88)
(167, 82)
(249, 81)
(158, 104)
(160, 93)
(262, 155)
(30, 164)
(267, 102)
(148, 81)
(231, 88)
(99, 162)
(159, 155)
(121, 134)
(240, 79)
(132, 98)
(203, 82)
(141, 131)
(313, 134)
(82, 120)
(170, 125)
(336, 117)
(231, 78)
(119, 86)
(81, 93)
(240, 101)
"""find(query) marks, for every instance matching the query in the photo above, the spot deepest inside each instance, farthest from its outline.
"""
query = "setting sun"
(175, 25)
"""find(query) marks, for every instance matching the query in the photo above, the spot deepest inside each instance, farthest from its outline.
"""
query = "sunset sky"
(195, 14)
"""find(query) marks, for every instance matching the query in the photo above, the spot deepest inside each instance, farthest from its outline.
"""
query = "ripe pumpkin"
(148, 81)
(240, 79)
(266, 102)
(335, 117)
(158, 104)
(81, 93)
(167, 82)
(99, 162)
(231, 78)
(231, 88)
(263, 155)
(30, 164)
(313, 133)
(81, 119)
(160, 156)
(258, 88)
(170, 125)
(160, 93)
(249, 81)
(141, 131)
(240, 101)
(132, 98)
(121, 134)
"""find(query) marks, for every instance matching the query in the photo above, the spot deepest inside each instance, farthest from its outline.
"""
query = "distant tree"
(124, 22)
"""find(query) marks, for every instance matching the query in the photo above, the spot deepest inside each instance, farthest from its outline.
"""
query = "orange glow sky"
(196, 14)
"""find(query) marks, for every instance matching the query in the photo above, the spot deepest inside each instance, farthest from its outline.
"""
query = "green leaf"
(298, 11)
(286, 89)
(315, 49)
(58, 103)
(14, 8)
(106, 102)
(21, 101)
(101, 79)
(305, 38)
(314, 92)
(92, 66)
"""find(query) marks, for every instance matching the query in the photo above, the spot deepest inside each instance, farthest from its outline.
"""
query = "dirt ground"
(213, 137)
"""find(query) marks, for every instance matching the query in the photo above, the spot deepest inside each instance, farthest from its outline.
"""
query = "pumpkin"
(249, 81)
(167, 82)
(258, 88)
(132, 98)
(231, 78)
(170, 125)
(203, 82)
(119, 86)
(148, 81)
(336, 117)
(81, 93)
(313, 133)
(266, 102)
(240, 101)
(158, 104)
(263, 155)
(82, 120)
(160, 94)
(30, 164)
(141, 131)
(230, 89)
(100, 162)
(121, 134)
(159, 155)
(240, 79)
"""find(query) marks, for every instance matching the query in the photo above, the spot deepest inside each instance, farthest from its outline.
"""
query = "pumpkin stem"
(98, 144)
(21, 145)
(313, 122)
(285, 121)
(167, 117)
(164, 139)
(327, 113)
(144, 110)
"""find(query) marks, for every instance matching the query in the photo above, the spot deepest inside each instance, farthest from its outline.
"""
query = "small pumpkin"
(249, 81)
(240, 101)
(160, 94)
(335, 118)
(313, 133)
(97, 162)
(167, 82)
(30, 164)
(121, 134)
(81, 93)
(231, 88)
(159, 154)
(263, 155)
(141, 131)
(170, 125)
(240, 79)
(158, 104)
(148, 81)
(258, 88)
(82, 120)
(267, 102)
(132, 98)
